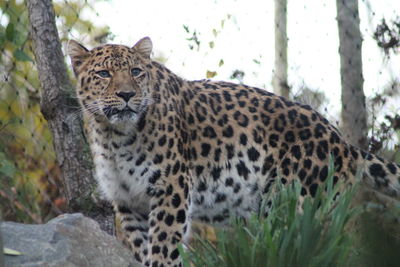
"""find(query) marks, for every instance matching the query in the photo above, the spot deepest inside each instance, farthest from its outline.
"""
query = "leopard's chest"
(122, 172)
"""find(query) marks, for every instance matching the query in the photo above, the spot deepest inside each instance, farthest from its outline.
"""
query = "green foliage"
(314, 237)
(6, 166)
(20, 55)
(30, 187)
(195, 41)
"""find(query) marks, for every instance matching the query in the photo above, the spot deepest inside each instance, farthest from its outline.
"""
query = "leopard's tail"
(378, 173)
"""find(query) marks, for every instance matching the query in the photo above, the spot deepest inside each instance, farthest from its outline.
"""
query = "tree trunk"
(60, 108)
(280, 82)
(354, 114)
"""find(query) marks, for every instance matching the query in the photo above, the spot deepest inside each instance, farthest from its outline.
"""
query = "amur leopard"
(168, 151)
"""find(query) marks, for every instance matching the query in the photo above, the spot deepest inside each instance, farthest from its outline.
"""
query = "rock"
(68, 240)
(1, 247)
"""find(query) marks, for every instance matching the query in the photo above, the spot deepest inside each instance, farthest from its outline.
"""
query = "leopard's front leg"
(169, 221)
(135, 229)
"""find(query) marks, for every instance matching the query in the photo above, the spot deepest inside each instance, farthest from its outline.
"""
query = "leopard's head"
(114, 82)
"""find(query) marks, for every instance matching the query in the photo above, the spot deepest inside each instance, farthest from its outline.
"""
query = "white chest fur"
(121, 171)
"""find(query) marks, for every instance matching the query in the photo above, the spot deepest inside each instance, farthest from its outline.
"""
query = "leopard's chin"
(125, 115)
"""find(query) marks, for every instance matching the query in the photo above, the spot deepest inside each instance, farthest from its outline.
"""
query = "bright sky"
(248, 35)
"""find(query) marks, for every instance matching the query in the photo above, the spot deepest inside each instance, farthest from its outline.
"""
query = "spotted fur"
(168, 150)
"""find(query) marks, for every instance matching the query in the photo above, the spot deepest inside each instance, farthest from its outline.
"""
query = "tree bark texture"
(59, 106)
(354, 114)
(280, 80)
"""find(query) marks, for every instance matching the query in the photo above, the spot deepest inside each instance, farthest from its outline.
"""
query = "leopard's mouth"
(119, 114)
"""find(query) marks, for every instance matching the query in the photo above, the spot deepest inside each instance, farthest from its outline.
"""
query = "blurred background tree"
(354, 113)
(280, 79)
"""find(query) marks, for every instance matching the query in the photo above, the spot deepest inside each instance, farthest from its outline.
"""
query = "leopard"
(169, 152)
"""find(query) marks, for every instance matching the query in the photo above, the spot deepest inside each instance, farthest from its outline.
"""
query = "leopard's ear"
(78, 53)
(144, 46)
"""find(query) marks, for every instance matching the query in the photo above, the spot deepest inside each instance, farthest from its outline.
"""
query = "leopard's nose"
(126, 95)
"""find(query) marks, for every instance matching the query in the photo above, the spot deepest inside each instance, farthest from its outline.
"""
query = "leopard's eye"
(135, 72)
(103, 73)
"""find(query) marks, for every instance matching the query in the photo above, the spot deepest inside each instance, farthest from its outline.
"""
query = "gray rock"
(1, 247)
(68, 240)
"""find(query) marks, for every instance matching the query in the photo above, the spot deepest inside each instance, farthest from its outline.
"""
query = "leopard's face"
(114, 81)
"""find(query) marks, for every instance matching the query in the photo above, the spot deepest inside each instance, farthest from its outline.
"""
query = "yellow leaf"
(211, 74)
(12, 252)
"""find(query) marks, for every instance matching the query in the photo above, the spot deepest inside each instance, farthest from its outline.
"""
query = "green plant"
(316, 236)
